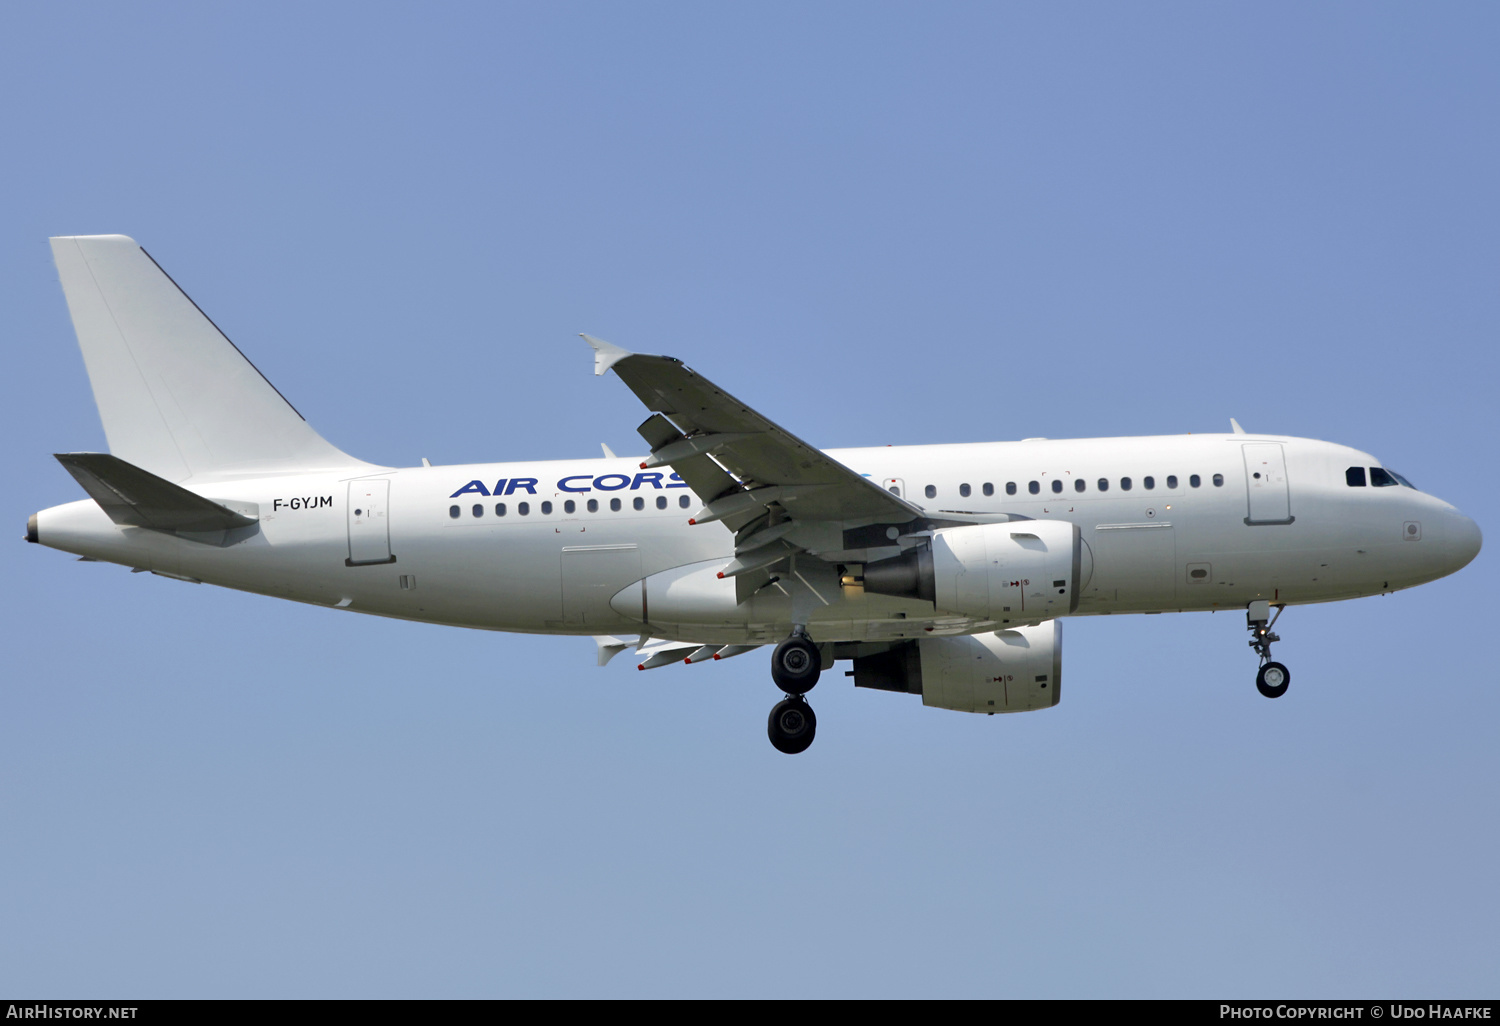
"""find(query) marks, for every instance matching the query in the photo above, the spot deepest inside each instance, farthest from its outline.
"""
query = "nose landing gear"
(795, 667)
(1273, 678)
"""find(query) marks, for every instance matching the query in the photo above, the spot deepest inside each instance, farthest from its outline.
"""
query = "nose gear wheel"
(1273, 678)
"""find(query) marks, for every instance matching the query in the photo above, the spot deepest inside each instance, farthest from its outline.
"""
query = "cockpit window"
(1355, 476)
(1403, 480)
(1380, 479)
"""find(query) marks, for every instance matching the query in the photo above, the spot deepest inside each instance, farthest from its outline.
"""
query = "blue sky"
(877, 223)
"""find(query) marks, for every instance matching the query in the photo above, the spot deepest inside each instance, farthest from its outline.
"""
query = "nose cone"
(1461, 542)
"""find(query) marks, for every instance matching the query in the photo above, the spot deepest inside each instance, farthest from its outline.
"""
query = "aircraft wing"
(737, 460)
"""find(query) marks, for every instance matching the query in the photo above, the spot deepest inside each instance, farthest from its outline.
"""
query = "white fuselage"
(434, 545)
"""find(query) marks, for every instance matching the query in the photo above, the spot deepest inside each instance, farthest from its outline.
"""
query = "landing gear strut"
(1273, 678)
(795, 667)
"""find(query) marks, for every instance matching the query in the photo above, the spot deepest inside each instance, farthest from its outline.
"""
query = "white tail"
(177, 398)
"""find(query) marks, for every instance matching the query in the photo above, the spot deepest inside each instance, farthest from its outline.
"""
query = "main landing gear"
(795, 667)
(1273, 678)
(792, 725)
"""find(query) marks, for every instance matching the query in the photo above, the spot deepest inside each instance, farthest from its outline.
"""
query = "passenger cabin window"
(989, 488)
(661, 502)
(570, 506)
(1104, 484)
(1010, 488)
(682, 500)
(593, 505)
(1079, 485)
(1057, 484)
(1034, 488)
(478, 510)
(1218, 480)
(930, 491)
(1195, 480)
(454, 511)
(499, 509)
(963, 490)
(1171, 480)
(1124, 484)
(614, 505)
(1148, 482)
(639, 503)
(522, 508)
(547, 508)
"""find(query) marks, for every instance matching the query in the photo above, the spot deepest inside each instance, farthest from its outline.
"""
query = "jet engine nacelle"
(1014, 670)
(1018, 572)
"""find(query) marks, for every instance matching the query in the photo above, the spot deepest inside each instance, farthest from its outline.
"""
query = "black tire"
(1273, 680)
(791, 726)
(795, 665)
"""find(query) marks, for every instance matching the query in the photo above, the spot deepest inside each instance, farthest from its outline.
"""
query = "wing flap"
(704, 477)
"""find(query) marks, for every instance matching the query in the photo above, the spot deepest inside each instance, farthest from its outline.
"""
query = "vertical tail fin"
(177, 398)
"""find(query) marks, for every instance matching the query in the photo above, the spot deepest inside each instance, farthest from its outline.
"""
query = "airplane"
(943, 571)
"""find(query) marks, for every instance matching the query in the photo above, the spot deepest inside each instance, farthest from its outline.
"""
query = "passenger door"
(1265, 482)
(369, 529)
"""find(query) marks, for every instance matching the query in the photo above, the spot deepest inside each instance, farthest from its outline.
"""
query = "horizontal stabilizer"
(133, 497)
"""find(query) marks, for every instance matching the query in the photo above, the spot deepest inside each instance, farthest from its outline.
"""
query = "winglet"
(609, 646)
(605, 355)
(1236, 425)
